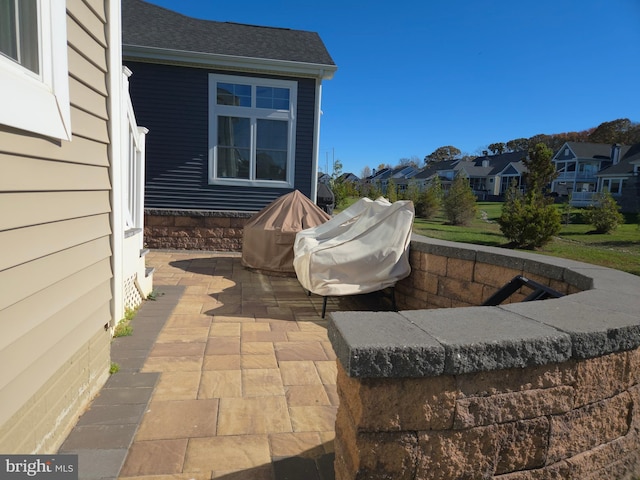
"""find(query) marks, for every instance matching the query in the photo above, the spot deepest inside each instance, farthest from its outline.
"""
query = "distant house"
(71, 226)
(348, 177)
(399, 175)
(233, 113)
(444, 170)
(324, 178)
(491, 176)
(585, 169)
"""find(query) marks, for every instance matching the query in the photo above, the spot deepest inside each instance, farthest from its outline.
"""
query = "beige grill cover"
(269, 235)
(365, 248)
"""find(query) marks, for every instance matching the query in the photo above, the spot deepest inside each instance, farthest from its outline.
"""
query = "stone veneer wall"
(195, 229)
(524, 391)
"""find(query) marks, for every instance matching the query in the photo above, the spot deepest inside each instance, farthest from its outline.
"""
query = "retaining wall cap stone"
(383, 344)
(594, 331)
(603, 318)
(489, 338)
(614, 301)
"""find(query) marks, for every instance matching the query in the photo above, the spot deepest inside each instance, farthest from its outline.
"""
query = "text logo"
(50, 467)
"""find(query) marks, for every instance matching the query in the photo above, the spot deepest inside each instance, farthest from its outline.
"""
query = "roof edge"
(320, 71)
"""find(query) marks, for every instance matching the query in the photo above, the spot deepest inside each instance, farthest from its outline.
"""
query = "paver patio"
(247, 377)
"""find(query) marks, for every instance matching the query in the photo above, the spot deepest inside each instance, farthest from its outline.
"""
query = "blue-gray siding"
(172, 102)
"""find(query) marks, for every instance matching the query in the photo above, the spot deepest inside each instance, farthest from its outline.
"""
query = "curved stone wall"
(537, 390)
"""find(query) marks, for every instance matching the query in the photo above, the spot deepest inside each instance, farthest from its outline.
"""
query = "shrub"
(528, 222)
(429, 203)
(392, 191)
(460, 203)
(531, 221)
(605, 215)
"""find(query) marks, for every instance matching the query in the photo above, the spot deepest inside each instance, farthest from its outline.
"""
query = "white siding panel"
(29, 243)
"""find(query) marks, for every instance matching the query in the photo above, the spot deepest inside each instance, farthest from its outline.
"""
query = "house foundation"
(195, 229)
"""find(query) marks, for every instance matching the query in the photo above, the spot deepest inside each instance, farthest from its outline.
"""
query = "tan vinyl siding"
(43, 207)
(80, 67)
(55, 261)
(35, 276)
(29, 174)
(81, 150)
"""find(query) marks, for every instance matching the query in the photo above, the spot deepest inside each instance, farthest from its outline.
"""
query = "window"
(33, 67)
(19, 32)
(612, 185)
(251, 131)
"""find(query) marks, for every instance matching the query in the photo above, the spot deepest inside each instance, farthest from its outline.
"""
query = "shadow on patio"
(247, 385)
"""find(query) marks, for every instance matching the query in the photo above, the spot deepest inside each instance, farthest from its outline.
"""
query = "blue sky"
(414, 75)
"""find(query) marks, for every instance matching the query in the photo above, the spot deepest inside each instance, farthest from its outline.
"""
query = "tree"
(392, 191)
(540, 169)
(409, 162)
(440, 154)
(497, 148)
(430, 201)
(615, 131)
(605, 214)
(374, 190)
(365, 173)
(460, 203)
(517, 144)
(412, 193)
(531, 221)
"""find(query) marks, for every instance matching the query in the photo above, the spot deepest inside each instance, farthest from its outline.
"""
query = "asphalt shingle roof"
(598, 151)
(147, 25)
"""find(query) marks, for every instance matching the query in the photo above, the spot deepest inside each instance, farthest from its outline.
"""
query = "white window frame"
(39, 103)
(254, 114)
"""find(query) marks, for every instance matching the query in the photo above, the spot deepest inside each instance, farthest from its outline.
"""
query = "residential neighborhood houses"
(583, 169)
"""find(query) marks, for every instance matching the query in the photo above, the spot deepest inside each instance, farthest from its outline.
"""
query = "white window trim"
(226, 110)
(40, 103)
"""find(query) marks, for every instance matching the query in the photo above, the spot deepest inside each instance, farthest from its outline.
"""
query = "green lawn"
(619, 250)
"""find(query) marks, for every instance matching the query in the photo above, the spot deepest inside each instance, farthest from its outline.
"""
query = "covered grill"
(269, 235)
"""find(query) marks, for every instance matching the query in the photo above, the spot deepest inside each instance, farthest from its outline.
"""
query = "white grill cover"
(365, 248)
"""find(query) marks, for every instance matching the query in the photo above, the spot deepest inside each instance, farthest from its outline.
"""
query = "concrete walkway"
(237, 381)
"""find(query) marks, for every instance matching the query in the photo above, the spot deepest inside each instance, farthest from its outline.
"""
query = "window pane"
(234, 141)
(29, 35)
(8, 36)
(234, 132)
(234, 94)
(271, 153)
(273, 134)
(273, 98)
(19, 32)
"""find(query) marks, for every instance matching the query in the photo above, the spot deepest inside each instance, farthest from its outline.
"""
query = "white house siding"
(55, 260)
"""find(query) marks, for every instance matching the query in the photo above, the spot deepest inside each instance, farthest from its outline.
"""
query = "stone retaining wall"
(194, 229)
(523, 391)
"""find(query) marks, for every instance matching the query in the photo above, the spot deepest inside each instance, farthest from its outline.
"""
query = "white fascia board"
(324, 72)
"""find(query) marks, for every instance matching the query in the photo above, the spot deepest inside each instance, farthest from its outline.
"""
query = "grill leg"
(324, 306)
